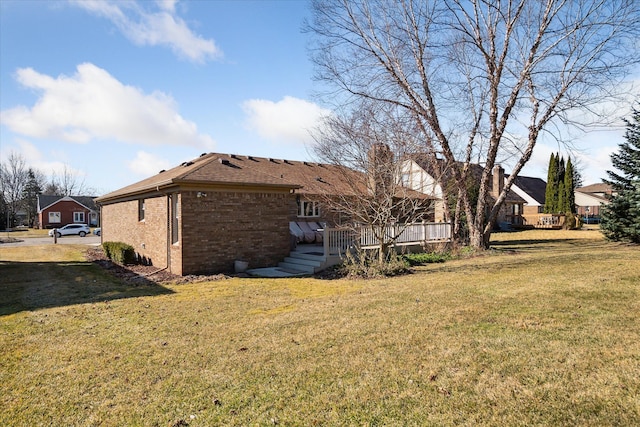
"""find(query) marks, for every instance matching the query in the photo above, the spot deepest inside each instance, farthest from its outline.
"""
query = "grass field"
(544, 329)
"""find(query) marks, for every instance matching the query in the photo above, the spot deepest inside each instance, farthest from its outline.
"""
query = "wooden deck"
(337, 241)
(549, 221)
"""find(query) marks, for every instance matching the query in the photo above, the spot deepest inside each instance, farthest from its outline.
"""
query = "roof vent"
(319, 179)
(224, 161)
(273, 160)
(306, 163)
(233, 156)
(185, 164)
(249, 157)
(203, 154)
(163, 170)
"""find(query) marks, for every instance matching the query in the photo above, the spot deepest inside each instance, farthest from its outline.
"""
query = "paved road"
(65, 240)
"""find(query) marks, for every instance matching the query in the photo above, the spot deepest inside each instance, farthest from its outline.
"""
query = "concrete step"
(275, 272)
(309, 269)
(311, 257)
(303, 261)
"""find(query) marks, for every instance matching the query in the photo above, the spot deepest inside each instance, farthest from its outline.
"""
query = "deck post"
(325, 241)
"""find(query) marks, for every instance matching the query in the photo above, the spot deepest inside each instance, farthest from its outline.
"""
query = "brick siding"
(214, 231)
(148, 237)
(66, 209)
(224, 227)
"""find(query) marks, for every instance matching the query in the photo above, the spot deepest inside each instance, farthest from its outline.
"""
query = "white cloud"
(93, 104)
(161, 27)
(289, 120)
(49, 164)
(168, 5)
(147, 164)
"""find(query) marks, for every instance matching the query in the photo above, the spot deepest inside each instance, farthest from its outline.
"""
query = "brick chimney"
(380, 168)
(497, 185)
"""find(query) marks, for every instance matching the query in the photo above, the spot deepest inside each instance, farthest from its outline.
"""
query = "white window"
(54, 217)
(308, 209)
(175, 217)
(78, 217)
(141, 210)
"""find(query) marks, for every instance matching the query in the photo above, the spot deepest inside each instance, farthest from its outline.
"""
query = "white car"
(71, 229)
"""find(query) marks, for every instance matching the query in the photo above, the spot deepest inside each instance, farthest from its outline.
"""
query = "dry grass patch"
(24, 233)
(539, 331)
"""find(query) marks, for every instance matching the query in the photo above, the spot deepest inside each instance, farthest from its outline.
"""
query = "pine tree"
(560, 190)
(30, 194)
(569, 188)
(551, 191)
(621, 217)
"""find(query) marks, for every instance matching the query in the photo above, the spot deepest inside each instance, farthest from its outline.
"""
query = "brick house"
(591, 198)
(57, 211)
(205, 214)
(418, 174)
(533, 191)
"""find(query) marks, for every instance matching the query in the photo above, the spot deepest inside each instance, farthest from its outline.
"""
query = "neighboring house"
(57, 211)
(205, 214)
(533, 191)
(589, 199)
(418, 174)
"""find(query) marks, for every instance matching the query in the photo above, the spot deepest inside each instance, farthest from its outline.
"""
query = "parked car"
(71, 229)
(97, 231)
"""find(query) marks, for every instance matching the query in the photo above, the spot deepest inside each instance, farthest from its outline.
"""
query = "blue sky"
(118, 90)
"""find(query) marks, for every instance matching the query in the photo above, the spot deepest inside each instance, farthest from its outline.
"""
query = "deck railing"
(338, 240)
(544, 220)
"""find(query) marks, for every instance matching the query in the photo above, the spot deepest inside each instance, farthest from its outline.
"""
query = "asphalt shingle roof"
(534, 187)
(45, 200)
(235, 170)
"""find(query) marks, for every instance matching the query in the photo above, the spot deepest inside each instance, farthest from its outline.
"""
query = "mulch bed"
(143, 274)
(9, 240)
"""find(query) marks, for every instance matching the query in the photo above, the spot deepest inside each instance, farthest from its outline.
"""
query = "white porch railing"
(338, 240)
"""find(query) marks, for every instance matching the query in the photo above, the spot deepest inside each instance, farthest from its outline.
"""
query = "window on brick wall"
(141, 210)
(308, 209)
(54, 217)
(78, 217)
(175, 216)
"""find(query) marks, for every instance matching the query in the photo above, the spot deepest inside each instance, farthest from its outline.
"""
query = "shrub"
(572, 222)
(119, 252)
(426, 258)
(365, 264)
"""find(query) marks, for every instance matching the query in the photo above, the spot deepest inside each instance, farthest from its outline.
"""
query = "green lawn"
(542, 330)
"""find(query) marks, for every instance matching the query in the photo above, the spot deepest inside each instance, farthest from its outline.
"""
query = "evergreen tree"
(560, 190)
(551, 191)
(562, 197)
(30, 194)
(569, 188)
(621, 217)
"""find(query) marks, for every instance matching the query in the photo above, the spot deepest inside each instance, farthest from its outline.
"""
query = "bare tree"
(67, 183)
(370, 143)
(481, 77)
(13, 178)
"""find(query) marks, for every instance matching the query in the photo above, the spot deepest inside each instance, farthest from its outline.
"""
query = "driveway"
(64, 240)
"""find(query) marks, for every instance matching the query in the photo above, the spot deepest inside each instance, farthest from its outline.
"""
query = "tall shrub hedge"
(119, 252)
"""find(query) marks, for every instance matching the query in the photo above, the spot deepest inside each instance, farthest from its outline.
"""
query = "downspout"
(169, 222)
